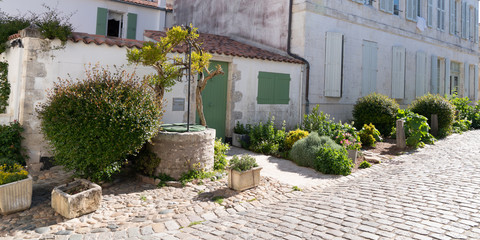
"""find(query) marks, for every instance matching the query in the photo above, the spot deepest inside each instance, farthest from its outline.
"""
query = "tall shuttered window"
(472, 24)
(430, 13)
(111, 23)
(131, 25)
(441, 15)
(102, 14)
(421, 86)
(369, 67)
(386, 6)
(453, 17)
(273, 88)
(465, 20)
(411, 9)
(398, 72)
(333, 64)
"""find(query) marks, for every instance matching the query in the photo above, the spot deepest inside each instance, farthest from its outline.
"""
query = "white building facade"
(401, 48)
(114, 18)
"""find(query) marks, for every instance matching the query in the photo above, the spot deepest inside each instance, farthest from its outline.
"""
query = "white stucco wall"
(312, 19)
(84, 18)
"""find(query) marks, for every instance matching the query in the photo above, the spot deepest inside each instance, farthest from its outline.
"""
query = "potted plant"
(76, 198)
(244, 173)
(350, 143)
(15, 187)
(240, 134)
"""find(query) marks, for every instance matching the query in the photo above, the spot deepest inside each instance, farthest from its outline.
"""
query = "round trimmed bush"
(304, 151)
(377, 109)
(333, 161)
(435, 104)
(93, 124)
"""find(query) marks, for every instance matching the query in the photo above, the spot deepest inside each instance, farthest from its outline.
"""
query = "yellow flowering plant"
(12, 173)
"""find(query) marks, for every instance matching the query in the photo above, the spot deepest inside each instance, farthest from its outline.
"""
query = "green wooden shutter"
(398, 72)
(265, 86)
(102, 14)
(420, 74)
(434, 77)
(282, 89)
(132, 26)
(333, 64)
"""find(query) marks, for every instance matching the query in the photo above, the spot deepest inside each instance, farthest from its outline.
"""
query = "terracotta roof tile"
(13, 36)
(153, 3)
(100, 39)
(224, 45)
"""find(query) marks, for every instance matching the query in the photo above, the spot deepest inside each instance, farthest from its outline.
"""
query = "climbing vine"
(4, 87)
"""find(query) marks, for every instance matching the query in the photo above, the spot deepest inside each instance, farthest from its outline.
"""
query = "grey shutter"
(420, 74)
(447, 76)
(383, 4)
(467, 11)
(369, 71)
(333, 64)
(464, 20)
(398, 72)
(466, 82)
(390, 6)
(475, 23)
(410, 13)
(475, 83)
(452, 16)
(434, 77)
(430, 13)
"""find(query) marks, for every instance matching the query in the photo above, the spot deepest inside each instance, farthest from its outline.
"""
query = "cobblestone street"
(429, 194)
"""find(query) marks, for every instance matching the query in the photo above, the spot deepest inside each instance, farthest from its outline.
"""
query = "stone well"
(183, 151)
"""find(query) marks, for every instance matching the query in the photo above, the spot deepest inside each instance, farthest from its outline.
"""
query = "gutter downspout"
(289, 43)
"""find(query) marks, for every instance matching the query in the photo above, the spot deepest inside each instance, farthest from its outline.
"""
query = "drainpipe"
(289, 43)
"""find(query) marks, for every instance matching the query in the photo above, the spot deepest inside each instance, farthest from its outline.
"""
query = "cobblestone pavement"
(430, 194)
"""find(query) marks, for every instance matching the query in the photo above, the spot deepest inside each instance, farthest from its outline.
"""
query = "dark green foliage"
(435, 104)
(347, 136)
(95, 123)
(333, 161)
(11, 143)
(220, 157)
(369, 135)
(52, 24)
(460, 126)
(242, 129)
(365, 164)
(304, 151)
(416, 129)
(377, 109)
(243, 163)
(146, 162)
(466, 115)
(163, 179)
(265, 138)
(317, 121)
(4, 87)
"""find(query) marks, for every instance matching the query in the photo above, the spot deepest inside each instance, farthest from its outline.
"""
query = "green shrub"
(95, 123)
(264, 138)
(293, 137)
(220, 155)
(333, 161)
(304, 151)
(11, 143)
(460, 126)
(347, 136)
(467, 116)
(435, 104)
(244, 163)
(365, 164)
(146, 162)
(369, 135)
(242, 129)
(317, 121)
(416, 129)
(4, 87)
(377, 109)
(12, 173)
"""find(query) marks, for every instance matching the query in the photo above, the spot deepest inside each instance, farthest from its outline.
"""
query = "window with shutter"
(464, 20)
(430, 13)
(434, 75)
(131, 26)
(452, 20)
(441, 15)
(447, 77)
(411, 10)
(471, 23)
(421, 74)
(333, 64)
(398, 72)
(466, 81)
(273, 88)
(102, 14)
(475, 83)
(369, 67)
(386, 6)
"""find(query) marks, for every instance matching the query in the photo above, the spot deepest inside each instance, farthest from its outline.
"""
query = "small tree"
(171, 68)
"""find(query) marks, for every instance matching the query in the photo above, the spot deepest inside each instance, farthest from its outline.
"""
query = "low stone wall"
(181, 152)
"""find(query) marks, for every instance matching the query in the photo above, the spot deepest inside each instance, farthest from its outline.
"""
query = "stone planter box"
(352, 155)
(240, 181)
(16, 196)
(77, 204)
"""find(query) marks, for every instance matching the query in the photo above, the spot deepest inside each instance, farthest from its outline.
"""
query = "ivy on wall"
(4, 87)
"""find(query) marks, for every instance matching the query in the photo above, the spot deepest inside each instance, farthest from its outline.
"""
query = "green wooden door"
(214, 98)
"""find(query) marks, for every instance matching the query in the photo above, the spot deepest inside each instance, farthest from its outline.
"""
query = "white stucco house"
(34, 67)
(114, 18)
(400, 48)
